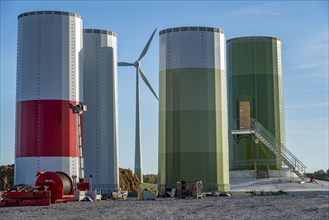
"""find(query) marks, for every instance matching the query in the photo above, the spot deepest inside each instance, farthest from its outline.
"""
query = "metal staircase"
(262, 134)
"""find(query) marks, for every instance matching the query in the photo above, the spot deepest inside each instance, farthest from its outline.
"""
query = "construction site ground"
(274, 184)
(304, 201)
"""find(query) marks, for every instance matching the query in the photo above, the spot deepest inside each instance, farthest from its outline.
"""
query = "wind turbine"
(138, 150)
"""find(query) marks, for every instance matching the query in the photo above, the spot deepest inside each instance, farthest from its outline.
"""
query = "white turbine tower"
(138, 150)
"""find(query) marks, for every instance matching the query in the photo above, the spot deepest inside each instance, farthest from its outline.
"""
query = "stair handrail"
(279, 147)
(275, 142)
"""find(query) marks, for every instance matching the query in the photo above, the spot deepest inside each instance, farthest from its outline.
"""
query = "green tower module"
(254, 91)
(193, 130)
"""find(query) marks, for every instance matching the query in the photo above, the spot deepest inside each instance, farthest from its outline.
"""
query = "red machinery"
(36, 198)
(50, 187)
(83, 186)
(59, 183)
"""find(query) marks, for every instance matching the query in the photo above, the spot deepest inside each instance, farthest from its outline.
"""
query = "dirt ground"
(295, 205)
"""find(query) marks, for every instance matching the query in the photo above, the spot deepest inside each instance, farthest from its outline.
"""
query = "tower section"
(255, 92)
(48, 80)
(193, 132)
(101, 98)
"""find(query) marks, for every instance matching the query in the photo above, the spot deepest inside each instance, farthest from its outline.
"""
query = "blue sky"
(302, 26)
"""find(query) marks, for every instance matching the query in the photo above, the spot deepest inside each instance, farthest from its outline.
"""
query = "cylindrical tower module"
(255, 91)
(193, 142)
(101, 119)
(48, 80)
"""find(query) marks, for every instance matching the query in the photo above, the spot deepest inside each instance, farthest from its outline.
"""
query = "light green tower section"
(255, 86)
(193, 132)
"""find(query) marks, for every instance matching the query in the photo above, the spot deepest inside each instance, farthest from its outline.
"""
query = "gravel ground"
(295, 205)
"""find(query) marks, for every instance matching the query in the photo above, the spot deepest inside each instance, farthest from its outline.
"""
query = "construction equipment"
(83, 186)
(59, 184)
(120, 195)
(183, 190)
(25, 195)
(50, 188)
(197, 190)
(84, 189)
(147, 194)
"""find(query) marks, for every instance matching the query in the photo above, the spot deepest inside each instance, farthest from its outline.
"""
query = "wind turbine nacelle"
(137, 64)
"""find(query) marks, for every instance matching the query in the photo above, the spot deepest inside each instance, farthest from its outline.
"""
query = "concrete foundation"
(286, 174)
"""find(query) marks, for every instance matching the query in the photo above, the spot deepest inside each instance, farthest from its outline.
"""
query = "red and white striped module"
(49, 78)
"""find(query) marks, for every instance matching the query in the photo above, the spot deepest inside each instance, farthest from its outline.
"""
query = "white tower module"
(49, 48)
(101, 98)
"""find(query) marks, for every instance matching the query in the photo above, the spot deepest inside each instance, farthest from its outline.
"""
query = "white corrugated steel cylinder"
(101, 119)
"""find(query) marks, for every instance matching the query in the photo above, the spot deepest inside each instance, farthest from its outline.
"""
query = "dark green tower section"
(254, 91)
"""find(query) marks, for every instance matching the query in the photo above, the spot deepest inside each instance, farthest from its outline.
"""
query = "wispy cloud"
(313, 64)
(309, 56)
(261, 9)
(310, 72)
(294, 91)
(310, 49)
(309, 105)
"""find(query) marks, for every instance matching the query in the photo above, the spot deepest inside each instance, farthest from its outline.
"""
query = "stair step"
(272, 145)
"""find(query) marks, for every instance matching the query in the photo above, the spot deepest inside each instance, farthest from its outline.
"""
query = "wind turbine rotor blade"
(147, 83)
(147, 46)
(125, 64)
